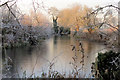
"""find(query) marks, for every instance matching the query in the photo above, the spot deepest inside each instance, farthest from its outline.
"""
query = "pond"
(35, 59)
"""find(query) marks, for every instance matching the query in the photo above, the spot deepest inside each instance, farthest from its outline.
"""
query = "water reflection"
(35, 59)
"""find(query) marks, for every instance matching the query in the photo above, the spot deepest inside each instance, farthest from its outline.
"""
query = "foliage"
(66, 30)
(14, 36)
(35, 19)
(56, 29)
(72, 17)
(108, 65)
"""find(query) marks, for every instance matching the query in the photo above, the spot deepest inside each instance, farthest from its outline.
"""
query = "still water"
(35, 59)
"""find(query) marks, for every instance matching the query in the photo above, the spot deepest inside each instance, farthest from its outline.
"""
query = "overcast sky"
(60, 4)
(26, 5)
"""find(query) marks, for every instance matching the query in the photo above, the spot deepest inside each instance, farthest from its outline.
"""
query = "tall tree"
(54, 12)
(74, 17)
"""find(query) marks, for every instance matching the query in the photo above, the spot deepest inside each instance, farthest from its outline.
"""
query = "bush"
(108, 65)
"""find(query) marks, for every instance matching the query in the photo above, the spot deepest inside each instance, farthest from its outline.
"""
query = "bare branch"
(3, 4)
(6, 3)
(35, 12)
(13, 15)
(101, 8)
(13, 3)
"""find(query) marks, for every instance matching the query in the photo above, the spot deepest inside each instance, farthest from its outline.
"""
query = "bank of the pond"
(14, 36)
(108, 41)
(22, 44)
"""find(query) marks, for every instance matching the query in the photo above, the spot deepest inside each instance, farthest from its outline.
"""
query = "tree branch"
(6, 3)
(101, 8)
(13, 14)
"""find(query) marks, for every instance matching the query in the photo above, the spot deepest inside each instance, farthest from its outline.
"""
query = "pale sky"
(26, 5)
(60, 4)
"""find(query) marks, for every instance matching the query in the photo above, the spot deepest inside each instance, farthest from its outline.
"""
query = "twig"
(13, 15)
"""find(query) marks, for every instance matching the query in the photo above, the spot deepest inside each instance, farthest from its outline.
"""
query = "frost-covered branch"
(13, 15)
